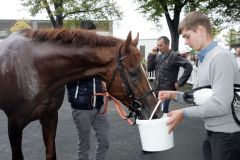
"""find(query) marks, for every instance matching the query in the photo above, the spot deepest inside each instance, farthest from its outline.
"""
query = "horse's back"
(17, 71)
(14, 42)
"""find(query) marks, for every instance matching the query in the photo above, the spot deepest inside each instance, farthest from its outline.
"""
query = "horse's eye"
(133, 74)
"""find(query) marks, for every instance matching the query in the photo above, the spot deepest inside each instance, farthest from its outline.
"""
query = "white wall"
(149, 44)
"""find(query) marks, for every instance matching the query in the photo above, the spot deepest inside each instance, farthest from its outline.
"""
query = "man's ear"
(201, 29)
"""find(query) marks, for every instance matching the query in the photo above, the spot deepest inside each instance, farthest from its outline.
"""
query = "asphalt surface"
(125, 140)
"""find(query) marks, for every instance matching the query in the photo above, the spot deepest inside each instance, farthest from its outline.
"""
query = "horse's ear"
(128, 41)
(135, 41)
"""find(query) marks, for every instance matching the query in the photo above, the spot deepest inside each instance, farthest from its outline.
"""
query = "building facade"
(103, 27)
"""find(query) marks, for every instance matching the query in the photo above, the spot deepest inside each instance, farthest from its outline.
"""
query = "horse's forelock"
(77, 36)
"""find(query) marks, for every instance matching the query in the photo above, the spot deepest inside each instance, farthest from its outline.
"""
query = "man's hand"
(176, 86)
(154, 51)
(165, 95)
(175, 117)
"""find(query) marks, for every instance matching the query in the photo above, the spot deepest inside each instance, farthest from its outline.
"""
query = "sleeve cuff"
(184, 113)
(177, 96)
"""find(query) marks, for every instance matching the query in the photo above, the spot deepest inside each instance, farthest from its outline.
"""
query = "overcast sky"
(136, 22)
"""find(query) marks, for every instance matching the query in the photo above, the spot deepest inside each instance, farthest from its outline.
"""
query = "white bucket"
(154, 134)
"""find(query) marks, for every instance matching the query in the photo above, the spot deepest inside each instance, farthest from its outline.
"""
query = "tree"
(232, 37)
(59, 10)
(219, 11)
(20, 24)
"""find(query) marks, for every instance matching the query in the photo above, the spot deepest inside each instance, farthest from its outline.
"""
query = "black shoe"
(146, 152)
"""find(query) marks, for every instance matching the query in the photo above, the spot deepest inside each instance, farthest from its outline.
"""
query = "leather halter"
(136, 105)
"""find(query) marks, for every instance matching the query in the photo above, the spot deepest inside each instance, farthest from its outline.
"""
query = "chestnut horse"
(35, 65)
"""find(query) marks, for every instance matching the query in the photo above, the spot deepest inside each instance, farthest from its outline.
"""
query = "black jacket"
(167, 70)
(83, 100)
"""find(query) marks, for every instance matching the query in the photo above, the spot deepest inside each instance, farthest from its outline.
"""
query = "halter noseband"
(135, 107)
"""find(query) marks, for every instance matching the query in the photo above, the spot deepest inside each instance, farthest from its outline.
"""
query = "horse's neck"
(65, 64)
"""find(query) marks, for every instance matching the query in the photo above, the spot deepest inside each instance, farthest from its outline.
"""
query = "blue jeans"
(221, 146)
(166, 106)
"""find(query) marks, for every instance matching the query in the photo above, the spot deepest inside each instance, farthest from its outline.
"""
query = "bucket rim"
(152, 121)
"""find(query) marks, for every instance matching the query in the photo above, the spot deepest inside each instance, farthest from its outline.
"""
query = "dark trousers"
(221, 146)
(166, 106)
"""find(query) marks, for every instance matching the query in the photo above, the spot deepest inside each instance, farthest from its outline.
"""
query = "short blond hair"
(194, 19)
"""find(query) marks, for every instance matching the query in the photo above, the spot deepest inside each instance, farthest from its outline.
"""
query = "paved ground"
(125, 140)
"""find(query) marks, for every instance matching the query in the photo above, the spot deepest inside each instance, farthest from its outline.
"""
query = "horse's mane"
(71, 36)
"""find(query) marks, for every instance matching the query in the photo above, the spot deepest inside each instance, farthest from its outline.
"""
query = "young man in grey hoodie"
(218, 68)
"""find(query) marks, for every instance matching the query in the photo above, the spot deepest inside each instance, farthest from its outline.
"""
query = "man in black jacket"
(166, 66)
(85, 114)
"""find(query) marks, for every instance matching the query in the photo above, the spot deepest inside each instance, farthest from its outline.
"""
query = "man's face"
(194, 39)
(162, 46)
(238, 52)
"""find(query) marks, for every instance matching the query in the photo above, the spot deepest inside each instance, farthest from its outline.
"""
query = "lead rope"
(118, 106)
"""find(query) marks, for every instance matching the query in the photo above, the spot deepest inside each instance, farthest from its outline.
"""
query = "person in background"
(217, 67)
(238, 57)
(167, 66)
(85, 112)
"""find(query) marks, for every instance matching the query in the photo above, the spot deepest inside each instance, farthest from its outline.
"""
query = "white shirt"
(238, 62)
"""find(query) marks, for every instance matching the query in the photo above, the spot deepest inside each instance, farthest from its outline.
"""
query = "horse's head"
(129, 82)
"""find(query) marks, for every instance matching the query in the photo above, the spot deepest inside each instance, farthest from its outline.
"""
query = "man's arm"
(183, 62)
(151, 62)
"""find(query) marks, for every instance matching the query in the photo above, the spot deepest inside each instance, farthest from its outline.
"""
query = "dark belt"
(209, 133)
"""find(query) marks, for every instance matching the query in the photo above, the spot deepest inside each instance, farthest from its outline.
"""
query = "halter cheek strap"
(124, 78)
(135, 106)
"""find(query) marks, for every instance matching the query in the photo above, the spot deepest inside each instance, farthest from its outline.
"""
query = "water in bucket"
(154, 133)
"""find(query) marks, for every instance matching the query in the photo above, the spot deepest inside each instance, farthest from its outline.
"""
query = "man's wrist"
(184, 113)
(153, 53)
(176, 96)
